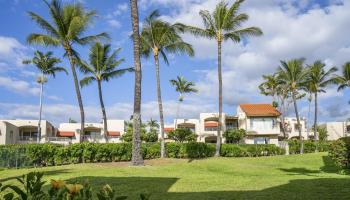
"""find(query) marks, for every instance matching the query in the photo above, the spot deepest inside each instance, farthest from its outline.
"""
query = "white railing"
(27, 138)
(59, 139)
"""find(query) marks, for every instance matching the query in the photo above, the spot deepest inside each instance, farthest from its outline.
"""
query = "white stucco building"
(336, 130)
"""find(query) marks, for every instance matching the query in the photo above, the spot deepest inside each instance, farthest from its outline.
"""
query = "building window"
(262, 123)
(261, 140)
(211, 128)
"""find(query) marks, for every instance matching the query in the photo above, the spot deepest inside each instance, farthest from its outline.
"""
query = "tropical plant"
(47, 65)
(69, 22)
(344, 80)
(182, 135)
(182, 86)
(153, 124)
(322, 133)
(293, 75)
(103, 66)
(319, 78)
(223, 24)
(160, 37)
(234, 135)
(136, 145)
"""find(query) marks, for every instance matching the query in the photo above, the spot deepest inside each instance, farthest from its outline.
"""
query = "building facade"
(336, 130)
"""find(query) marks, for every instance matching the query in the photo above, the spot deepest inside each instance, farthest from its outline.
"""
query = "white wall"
(336, 130)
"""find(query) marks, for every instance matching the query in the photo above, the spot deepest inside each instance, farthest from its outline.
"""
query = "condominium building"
(336, 130)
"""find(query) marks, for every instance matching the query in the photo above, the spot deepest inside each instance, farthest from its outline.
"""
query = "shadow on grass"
(321, 188)
(46, 173)
(300, 171)
(329, 165)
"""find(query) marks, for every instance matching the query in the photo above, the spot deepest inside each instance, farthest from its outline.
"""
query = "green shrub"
(89, 151)
(232, 150)
(173, 149)
(61, 156)
(76, 153)
(309, 146)
(250, 150)
(182, 135)
(151, 150)
(199, 150)
(234, 135)
(339, 151)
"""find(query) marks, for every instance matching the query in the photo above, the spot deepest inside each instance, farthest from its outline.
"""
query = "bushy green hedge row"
(309, 146)
(51, 154)
(250, 150)
(339, 151)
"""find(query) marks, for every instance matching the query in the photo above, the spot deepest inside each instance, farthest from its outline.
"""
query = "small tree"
(150, 136)
(234, 135)
(182, 135)
(322, 133)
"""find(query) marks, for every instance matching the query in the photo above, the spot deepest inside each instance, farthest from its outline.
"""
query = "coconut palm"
(270, 86)
(153, 124)
(293, 75)
(68, 24)
(136, 158)
(47, 65)
(222, 25)
(319, 79)
(103, 66)
(160, 38)
(182, 86)
(344, 80)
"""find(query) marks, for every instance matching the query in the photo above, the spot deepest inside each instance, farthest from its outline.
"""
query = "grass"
(309, 176)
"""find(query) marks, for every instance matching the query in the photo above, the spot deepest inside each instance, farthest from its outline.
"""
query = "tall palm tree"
(136, 137)
(344, 80)
(47, 65)
(103, 66)
(159, 37)
(270, 86)
(182, 86)
(68, 24)
(223, 24)
(319, 79)
(293, 74)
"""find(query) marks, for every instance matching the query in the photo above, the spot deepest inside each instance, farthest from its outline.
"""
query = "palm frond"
(86, 81)
(42, 39)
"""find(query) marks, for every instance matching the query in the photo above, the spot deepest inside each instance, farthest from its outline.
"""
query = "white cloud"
(19, 86)
(114, 23)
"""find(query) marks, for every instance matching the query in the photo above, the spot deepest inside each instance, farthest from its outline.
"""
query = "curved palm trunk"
(298, 121)
(282, 120)
(40, 110)
(218, 140)
(77, 91)
(160, 105)
(308, 121)
(103, 111)
(136, 158)
(315, 122)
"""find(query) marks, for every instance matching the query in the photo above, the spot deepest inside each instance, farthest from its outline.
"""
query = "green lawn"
(309, 176)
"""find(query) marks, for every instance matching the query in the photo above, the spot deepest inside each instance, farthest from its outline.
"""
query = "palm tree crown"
(183, 86)
(102, 64)
(344, 80)
(319, 77)
(158, 36)
(293, 74)
(46, 63)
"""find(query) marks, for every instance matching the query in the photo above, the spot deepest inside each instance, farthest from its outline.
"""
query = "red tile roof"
(211, 124)
(65, 134)
(168, 129)
(259, 110)
(113, 133)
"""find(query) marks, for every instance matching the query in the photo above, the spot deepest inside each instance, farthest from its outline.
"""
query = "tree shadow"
(300, 171)
(160, 189)
(46, 173)
(329, 165)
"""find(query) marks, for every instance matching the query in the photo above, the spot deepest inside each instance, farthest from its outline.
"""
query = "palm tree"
(102, 66)
(136, 137)
(153, 124)
(344, 80)
(182, 86)
(270, 86)
(319, 79)
(293, 74)
(159, 37)
(47, 65)
(69, 23)
(223, 24)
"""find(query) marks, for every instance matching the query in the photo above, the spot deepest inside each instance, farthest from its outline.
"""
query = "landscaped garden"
(308, 176)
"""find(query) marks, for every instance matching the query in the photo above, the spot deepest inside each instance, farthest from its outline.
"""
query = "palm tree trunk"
(136, 137)
(160, 105)
(218, 140)
(77, 91)
(177, 113)
(308, 120)
(315, 122)
(103, 111)
(40, 109)
(298, 122)
(282, 120)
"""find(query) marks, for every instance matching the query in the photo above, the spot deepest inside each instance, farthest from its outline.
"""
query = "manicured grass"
(309, 176)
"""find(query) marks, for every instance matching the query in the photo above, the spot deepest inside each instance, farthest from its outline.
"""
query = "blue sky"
(314, 29)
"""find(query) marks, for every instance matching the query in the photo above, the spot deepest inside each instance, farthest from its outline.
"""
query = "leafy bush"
(151, 136)
(339, 151)
(31, 187)
(199, 150)
(250, 150)
(234, 135)
(309, 146)
(182, 135)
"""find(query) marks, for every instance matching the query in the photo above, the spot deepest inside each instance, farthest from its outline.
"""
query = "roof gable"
(259, 110)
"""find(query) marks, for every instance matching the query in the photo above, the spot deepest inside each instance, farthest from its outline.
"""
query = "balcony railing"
(27, 138)
(59, 139)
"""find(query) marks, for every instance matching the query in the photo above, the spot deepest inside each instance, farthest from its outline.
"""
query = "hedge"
(309, 146)
(340, 152)
(250, 150)
(25, 155)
